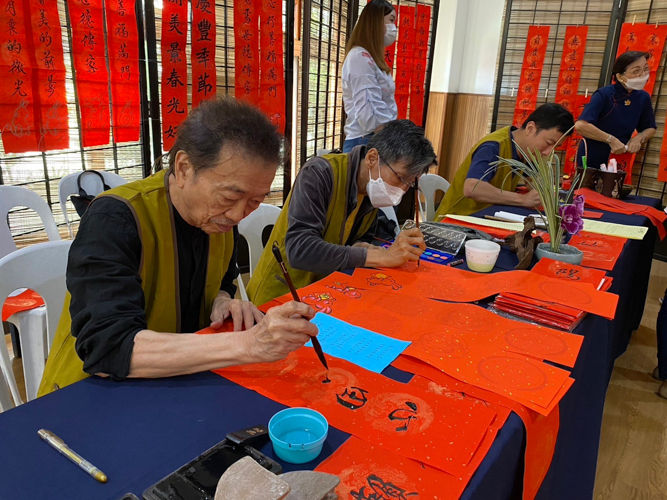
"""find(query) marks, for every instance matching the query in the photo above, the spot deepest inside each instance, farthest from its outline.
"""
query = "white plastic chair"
(41, 268)
(252, 228)
(92, 184)
(15, 196)
(429, 185)
(390, 213)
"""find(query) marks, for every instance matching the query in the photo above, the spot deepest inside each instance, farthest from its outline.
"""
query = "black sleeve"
(227, 284)
(108, 306)
(307, 215)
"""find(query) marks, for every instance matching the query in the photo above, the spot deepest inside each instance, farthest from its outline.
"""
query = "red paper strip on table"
(91, 76)
(18, 98)
(405, 58)
(22, 302)
(574, 139)
(541, 431)
(401, 418)
(648, 38)
(531, 73)
(569, 272)
(461, 335)
(174, 69)
(123, 46)
(600, 251)
(48, 49)
(456, 285)
(597, 200)
(246, 54)
(272, 73)
(202, 54)
(367, 471)
(592, 215)
(420, 61)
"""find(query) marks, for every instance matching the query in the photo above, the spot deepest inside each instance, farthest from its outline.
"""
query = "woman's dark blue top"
(615, 110)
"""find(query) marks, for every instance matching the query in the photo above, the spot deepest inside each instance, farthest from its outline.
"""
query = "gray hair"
(403, 141)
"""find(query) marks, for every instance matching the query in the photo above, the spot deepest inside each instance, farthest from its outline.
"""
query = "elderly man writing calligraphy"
(156, 257)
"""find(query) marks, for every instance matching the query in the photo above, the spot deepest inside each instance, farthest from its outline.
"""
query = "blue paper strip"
(365, 348)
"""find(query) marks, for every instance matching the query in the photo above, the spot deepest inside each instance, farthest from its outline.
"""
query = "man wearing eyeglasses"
(329, 219)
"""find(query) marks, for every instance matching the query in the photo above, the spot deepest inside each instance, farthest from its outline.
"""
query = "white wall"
(466, 46)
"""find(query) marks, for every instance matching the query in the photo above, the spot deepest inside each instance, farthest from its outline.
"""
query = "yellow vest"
(263, 286)
(455, 202)
(149, 201)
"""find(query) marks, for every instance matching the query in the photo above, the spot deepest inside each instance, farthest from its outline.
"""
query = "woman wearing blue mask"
(329, 218)
(368, 87)
(616, 111)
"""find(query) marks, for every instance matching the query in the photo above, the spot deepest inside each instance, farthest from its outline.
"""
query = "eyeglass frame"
(409, 184)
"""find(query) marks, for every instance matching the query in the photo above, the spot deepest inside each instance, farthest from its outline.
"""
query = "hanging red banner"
(123, 47)
(49, 76)
(174, 69)
(246, 53)
(570, 166)
(272, 72)
(531, 73)
(662, 169)
(17, 107)
(405, 58)
(420, 61)
(202, 57)
(574, 47)
(649, 38)
(91, 76)
(390, 52)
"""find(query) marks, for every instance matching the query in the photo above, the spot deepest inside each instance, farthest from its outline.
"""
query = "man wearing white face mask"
(368, 87)
(329, 218)
(616, 111)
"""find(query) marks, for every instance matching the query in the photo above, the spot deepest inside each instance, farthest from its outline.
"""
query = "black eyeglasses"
(409, 184)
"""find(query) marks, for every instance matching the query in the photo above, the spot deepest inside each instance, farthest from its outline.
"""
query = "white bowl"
(481, 255)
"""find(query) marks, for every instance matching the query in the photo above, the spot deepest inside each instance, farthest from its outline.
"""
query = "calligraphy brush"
(295, 296)
(417, 208)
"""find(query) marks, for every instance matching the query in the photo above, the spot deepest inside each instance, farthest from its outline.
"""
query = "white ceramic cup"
(481, 255)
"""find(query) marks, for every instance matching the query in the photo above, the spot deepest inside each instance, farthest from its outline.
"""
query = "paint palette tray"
(440, 239)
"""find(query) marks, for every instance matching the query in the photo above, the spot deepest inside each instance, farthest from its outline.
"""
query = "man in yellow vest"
(478, 185)
(329, 218)
(156, 258)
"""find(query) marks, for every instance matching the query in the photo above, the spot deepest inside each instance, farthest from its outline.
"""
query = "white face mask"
(390, 33)
(382, 194)
(634, 83)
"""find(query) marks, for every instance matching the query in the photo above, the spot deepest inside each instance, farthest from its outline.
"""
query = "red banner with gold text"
(202, 57)
(272, 72)
(405, 58)
(531, 73)
(573, 140)
(246, 40)
(174, 69)
(123, 47)
(648, 38)
(420, 61)
(17, 97)
(91, 76)
(574, 47)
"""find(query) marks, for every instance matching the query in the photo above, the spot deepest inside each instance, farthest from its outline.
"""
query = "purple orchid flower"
(571, 220)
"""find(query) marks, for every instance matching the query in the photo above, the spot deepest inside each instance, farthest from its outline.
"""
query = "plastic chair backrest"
(430, 184)
(252, 228)
(41, 268)
(390, 213)
(15, 196)
(91, 184)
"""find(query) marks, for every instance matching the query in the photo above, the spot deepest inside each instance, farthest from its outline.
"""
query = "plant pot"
(568, 253)
(610, 184)
(590, 177)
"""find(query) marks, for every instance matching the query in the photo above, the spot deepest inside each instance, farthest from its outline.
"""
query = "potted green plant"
(562, 214)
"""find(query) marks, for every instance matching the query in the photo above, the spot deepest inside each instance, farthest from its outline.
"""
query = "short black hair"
(551, 115)
(225, 122)
(402, 140)
(625, 60)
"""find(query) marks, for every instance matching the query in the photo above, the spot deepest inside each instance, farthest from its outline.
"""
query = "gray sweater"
(307, 216)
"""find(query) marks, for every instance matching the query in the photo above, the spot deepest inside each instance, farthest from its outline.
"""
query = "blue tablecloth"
(138, 431)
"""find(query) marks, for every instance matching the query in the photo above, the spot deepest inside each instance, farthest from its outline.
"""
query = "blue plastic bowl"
(298, 434)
